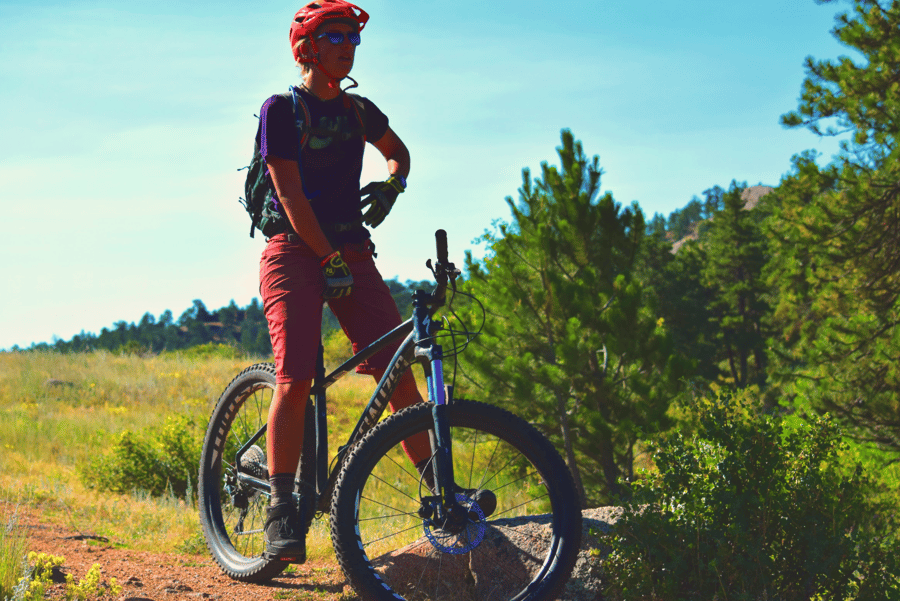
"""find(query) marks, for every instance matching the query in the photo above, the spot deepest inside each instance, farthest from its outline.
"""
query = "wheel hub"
(458, 533)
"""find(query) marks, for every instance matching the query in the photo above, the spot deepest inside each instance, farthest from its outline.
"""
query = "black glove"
(381, 197)
(338, 279)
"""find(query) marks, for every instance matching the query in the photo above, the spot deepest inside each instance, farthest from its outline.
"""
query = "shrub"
(39, 577)
(158, 460)
(12, 555)
(337, 348)
(202, 352)
(754, 506)
(133, 347)
(34, 585)
(91, 586)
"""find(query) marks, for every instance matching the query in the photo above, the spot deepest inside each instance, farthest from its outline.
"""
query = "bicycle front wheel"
(520, 539)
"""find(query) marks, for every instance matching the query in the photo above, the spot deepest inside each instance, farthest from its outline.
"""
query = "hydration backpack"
(259, 195)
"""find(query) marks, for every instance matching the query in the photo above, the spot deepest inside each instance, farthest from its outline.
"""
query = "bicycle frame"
(397, 530)
(417, 346)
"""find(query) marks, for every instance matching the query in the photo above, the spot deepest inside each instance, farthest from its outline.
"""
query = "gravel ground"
(147, 576)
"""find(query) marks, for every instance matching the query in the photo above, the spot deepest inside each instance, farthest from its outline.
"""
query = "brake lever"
(453, 274)
(446, 271)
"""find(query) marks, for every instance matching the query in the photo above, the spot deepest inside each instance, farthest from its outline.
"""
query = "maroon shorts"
(291, 285)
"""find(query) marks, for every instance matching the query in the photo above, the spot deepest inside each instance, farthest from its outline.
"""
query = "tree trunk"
(610, 469)
(571, 461)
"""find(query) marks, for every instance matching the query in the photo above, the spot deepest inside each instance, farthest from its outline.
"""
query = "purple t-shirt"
(330, 167)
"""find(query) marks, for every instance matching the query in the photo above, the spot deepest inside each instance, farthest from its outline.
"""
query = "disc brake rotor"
(464, 540)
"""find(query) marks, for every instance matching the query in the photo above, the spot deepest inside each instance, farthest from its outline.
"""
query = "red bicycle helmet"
(308, 19)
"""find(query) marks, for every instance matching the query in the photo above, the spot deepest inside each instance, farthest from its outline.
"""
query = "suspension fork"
(441, 443)
(431, 356)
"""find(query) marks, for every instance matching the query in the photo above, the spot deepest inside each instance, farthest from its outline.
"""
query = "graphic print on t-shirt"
(337, 124)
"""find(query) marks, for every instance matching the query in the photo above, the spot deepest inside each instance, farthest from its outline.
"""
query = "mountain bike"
(495, 517)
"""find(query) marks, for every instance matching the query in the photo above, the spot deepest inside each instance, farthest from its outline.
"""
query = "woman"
(326, 254)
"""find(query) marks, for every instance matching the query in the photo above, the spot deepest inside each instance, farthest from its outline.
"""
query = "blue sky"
(122, 125)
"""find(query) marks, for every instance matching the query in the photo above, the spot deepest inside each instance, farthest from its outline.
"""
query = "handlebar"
(441, 240)
(444, 271)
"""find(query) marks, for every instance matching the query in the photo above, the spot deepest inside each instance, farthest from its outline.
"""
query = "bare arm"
(395, 153)
(286, 178)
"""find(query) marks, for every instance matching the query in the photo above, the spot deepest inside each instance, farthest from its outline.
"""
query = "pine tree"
(572, 340)
(683, 301)
(836, 235)
(735, 249)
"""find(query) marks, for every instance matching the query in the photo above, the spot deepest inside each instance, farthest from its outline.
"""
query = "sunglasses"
(336, 37)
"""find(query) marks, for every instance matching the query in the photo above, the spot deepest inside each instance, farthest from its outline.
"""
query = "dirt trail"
(147, 576)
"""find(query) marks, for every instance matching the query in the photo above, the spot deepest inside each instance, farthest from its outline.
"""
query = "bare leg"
(417, 447)
(285, 427)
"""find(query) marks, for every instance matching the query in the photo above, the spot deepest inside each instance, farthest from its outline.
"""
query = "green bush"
(159, 460)
(12, 555)
(91, 586)
(34, 585)
(202, 352)
(133, 347)
(754, 506)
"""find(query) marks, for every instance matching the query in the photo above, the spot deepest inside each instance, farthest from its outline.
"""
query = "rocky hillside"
(750, 196)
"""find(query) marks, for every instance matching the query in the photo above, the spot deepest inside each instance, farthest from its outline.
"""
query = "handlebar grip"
(440, 237)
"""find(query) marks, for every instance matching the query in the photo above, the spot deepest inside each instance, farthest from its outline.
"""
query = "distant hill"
(243, 327)
(750, 196)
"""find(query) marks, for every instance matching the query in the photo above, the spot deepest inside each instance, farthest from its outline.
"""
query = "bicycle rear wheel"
(524, 549)
(233, 513)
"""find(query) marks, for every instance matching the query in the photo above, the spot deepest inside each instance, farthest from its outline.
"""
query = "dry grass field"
(59, 412)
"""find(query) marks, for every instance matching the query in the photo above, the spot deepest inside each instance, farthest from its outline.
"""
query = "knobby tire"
(234, 535)
(524, 551)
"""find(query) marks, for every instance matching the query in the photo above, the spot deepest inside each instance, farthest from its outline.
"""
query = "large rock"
(508, 553)
(585, 583)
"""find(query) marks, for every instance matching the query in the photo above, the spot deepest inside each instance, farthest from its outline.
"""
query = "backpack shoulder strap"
(354, 102)
(302, 121)
(302, 118)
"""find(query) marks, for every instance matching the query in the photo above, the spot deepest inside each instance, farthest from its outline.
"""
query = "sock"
(282, 488)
